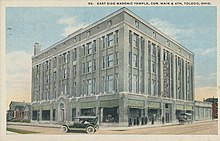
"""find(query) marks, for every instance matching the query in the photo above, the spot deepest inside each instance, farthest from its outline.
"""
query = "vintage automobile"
(83, 123)
(184, 118)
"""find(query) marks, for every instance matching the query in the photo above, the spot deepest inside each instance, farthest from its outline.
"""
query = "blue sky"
(193, 27)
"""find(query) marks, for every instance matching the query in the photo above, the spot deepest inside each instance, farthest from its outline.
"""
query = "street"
(197, 128)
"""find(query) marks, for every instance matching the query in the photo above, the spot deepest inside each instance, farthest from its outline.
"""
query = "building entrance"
(62, 112)
(168, 113)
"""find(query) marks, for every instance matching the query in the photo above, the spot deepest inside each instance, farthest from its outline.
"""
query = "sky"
(193, 27)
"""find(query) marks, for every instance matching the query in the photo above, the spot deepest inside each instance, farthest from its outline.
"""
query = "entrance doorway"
(62, 112)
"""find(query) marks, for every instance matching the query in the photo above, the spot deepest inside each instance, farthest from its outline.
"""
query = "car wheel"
(90, 130)
(64, 129)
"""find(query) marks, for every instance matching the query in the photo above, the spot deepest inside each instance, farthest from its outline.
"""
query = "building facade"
(120, 68)
(214, 102)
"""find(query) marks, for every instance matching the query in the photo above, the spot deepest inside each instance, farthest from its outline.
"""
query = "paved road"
(199, 128)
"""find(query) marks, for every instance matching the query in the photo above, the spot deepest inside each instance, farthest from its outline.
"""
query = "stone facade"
(120, 68)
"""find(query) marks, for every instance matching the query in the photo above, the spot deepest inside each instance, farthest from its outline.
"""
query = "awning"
(179, 107)
(136, 103)
(154, 105)
(109, 103)
(85, 105)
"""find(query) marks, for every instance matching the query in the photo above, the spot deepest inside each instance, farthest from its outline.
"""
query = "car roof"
(86, 117)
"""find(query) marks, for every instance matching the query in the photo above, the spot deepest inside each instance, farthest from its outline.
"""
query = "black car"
(83, 123)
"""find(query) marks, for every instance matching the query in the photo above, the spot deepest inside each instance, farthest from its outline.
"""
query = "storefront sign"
(136, 103)
(90, 104)
(188, 107)
(109, 103)
(154, 105)
(36, 108)
(179, 107)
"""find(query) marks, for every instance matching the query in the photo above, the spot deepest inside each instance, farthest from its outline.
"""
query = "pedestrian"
(146, 120)
(152, 121)
(162, 120)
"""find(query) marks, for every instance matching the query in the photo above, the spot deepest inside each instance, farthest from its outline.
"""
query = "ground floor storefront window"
(137, 117)
(110, 115)
(45, 114)
(154, 114)
(35, 115)
(88, 112)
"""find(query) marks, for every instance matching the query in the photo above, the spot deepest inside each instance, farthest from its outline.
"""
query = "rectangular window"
(83, 87)
(103, 83)
(89, 87)
(130, 82)
(94, 46)
(83, 68)
(110, 39)
(74, 69)
(65, 57)
(74, 54)
(110, 60)
(94, 64)
(84, 50)
(109, 83)
(116, 58)
(103, 41)
(54, 62)
(89, 66)
(54, 76)
(135, 40)
(74, 89)
(136, 24)
(103, 61)
(65, 73)
(153, 67)
(129, 58)
(135, 60)
(130, 37)
(93, 85)
(135, 84)
(64, 89)
(116, 37)
(153, 49)
(116, 82)
(89, 48)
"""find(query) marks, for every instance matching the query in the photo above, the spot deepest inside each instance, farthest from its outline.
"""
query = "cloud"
(71, 24)
(179, 33)
(18, 76)
(208, 51)
(205, 92)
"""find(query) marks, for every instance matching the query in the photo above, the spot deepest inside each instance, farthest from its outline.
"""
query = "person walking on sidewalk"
(162, 120)
(152, 121)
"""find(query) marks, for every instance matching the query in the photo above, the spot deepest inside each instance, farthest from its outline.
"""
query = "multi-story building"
(214, 102)
(120, 68)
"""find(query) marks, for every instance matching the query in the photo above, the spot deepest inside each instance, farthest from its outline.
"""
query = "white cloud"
(72, 25)
(208, 51)
(18, 75)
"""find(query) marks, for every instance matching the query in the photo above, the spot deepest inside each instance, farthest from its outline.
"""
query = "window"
(109, 83)
(154, 34)
(55, 62)
(74, 69)
(130, 82)
(47, 65)
(110, 60)
(142, 44)
(103, 41)
(93, 85)
(94, 46)
(103, 61)
(153, 49)
(65, 73)
(130, 37)
(65, 57)
(94, 64)
(135, 60)
(149, 47)
(116, 82)
(54, 76)
(83, 87)
(135, 84)
(129, 57)
(64, 89)
(110, 39)
(153, 67)
(89, 66)
(135, 40)
(74, 54)
(83, 68)
(116, 37)
(109, 23)
(74, 40)
(89, 48)
(84, 50)
(89, 87)
(74, 88)
(88, 33)
(136, 24)
(103, 83)
(116, 58)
